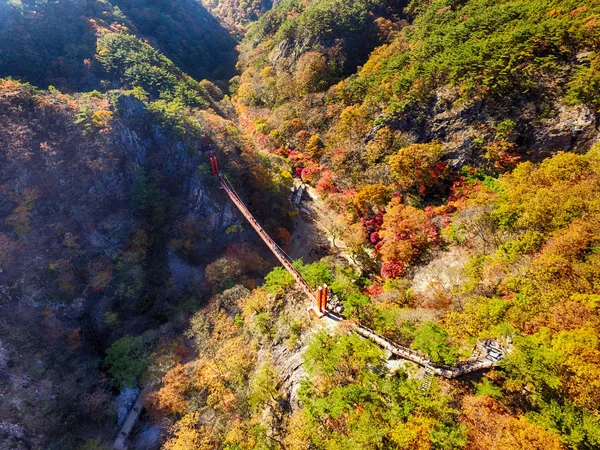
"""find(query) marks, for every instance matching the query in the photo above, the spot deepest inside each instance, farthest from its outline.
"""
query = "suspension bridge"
(487, 355)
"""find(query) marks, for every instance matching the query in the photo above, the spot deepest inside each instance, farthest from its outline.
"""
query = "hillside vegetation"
(53, 43)
(238, 14)
(453, 146)
(432, 145)
(106, 194)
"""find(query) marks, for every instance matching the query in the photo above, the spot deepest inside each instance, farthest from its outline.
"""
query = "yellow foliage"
(256, 302)
(267, 72)
(310, 71)
(189, 435)
(412, 435)
(371, 198)
(102, 118)
(582, 364)
(245, 93)
(414, 164)
(353, 124)
(564, 188)
(20, 219)
(223, 328)
(239, 435)
(298, 432)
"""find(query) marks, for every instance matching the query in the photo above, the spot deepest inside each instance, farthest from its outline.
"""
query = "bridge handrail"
(417, 357)
(266, 238)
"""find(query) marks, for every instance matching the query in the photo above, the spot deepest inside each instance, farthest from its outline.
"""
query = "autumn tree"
(346, 402)
(385, 143)
(311, 72)
(333, 224)
(188, 433)
(418, 165)
(171, 396)
(371, 199)
(405, 234)
(492, 428)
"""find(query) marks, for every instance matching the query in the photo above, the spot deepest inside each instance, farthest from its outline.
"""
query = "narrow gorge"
(434, 163)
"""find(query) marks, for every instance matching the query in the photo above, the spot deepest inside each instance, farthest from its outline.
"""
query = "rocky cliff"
(92, 193)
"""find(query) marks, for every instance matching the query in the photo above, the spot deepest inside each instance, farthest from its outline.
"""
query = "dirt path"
(311, 240)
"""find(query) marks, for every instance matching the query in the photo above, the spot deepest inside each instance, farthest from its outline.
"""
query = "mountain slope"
(454, 149)
(53, 43)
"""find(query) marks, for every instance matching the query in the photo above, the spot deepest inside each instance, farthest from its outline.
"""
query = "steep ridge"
(53, 43)
(453, 145)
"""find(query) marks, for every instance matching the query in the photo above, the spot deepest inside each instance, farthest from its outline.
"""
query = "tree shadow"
(54, 42)
(48, 42)
(187, 33)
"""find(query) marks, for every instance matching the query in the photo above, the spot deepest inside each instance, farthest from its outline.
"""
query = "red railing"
(275, 249)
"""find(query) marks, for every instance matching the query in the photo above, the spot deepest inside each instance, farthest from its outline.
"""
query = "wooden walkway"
(494, 353)
(486, 362)
(132, 417)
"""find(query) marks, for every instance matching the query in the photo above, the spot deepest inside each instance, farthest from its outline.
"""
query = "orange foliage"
(406, 233)
(171, 397)
(490, 428)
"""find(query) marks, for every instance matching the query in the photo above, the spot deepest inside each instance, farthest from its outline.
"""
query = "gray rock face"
(178, 161)
(466, 127)
(573, 128)
(290, 365)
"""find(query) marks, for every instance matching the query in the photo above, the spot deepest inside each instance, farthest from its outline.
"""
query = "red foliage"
(373, 291)
(309, 173)
(373, 225)
(392, 269)
(506, 161)
(325, 184)
(406, 233)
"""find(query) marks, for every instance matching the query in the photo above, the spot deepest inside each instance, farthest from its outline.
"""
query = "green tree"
(278, 280)
(434, 341)
(127, 359)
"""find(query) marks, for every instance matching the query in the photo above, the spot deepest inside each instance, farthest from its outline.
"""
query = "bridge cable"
(229, 184)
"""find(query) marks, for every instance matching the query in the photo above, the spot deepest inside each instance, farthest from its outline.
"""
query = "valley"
(449, 160)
